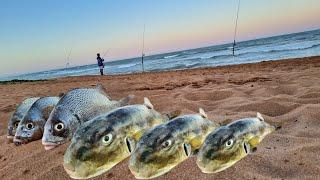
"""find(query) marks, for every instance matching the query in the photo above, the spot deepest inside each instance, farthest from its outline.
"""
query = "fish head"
(59, 128)
(29, 129)
(226, 146)
(95, 148)
(13, 125)
(157, 152)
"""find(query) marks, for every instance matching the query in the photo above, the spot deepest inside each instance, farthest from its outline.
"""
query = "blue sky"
(36, 34)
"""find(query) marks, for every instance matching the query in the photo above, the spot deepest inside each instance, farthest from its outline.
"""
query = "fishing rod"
(235, 29)
(142, 53)
(68, 57)
(105, 53)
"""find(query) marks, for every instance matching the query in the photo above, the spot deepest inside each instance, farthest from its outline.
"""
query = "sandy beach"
(286, 92)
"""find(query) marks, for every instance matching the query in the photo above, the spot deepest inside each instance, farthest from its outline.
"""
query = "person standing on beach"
(100, 63)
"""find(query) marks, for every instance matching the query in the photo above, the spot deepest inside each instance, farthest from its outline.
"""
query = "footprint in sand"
(268, 108)
(209, 96)
(310, 95)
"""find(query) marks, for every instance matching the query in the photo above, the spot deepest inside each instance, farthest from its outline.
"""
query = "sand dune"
(286, 92)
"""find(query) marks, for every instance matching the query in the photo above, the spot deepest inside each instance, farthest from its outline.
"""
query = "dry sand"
(286, 92)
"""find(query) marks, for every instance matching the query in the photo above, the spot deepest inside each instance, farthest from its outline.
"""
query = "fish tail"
(126, 100)
(173, 114)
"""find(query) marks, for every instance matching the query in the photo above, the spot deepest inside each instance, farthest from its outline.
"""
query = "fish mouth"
(215, 170)
(71, 172)
(76, 174)
(151, 175)
(51, 145)
(19, 140)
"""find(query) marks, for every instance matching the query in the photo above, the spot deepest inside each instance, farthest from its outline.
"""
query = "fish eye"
(16, 124)
(229, 143)
(59, 126)
(166, 144)
(106, 140)
(30, 126)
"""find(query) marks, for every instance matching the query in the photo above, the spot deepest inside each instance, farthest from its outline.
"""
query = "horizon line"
(174, 51)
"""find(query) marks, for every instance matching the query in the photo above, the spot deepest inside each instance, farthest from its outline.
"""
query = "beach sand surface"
(286, 92)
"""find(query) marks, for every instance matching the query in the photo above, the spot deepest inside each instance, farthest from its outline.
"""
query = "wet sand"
(286, 92)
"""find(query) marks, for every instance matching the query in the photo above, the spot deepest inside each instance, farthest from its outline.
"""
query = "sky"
(38, 35)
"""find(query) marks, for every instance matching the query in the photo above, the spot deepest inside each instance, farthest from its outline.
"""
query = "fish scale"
(36, 118)
(76, 107)
(18, 115)
(165, 146)
(25, 106)
(228, 144)
(103, 142)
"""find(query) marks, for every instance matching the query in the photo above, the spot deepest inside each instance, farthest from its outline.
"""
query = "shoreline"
(286, 92)
(146, 72)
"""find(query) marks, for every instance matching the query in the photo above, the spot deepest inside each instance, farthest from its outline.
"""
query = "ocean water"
(296, 45)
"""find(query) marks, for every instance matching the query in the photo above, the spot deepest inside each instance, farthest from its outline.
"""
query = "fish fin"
(202, 113)
(125, 101)
(173, 114)
(147, 103)
(156, 121)
(196, 142)
(254, 142)
(47, 111)
(132, 141)
(259, 116)
(225, 122)
(136, 136)
(102, 90)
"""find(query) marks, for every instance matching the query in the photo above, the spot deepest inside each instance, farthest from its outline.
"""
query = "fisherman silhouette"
(100, 63)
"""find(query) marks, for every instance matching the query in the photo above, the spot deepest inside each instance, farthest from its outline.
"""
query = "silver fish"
(74, 108)
(31, 126)
(105, 141)
(18, 115)
(229, 144)
(165, 146)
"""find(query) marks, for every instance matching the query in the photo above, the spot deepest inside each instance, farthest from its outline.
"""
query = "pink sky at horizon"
(42, 45)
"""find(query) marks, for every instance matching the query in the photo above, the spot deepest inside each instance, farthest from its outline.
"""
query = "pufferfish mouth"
(83, 173)
(70, 169)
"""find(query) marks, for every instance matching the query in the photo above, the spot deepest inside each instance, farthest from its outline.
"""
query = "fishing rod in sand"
(235, 30)
(142, 52)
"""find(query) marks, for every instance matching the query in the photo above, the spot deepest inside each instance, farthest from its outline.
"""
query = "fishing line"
(235, 28)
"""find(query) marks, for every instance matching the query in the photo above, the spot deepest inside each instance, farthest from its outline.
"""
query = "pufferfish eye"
(107, 139)
(229, 143)
(166, 144)
(59, 126)
(30, 126)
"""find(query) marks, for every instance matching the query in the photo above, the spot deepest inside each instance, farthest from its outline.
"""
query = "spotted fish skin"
(229, 144)
(31, 126)
(165, 146)
(74, 108)
(18, 115)
(105, 141)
